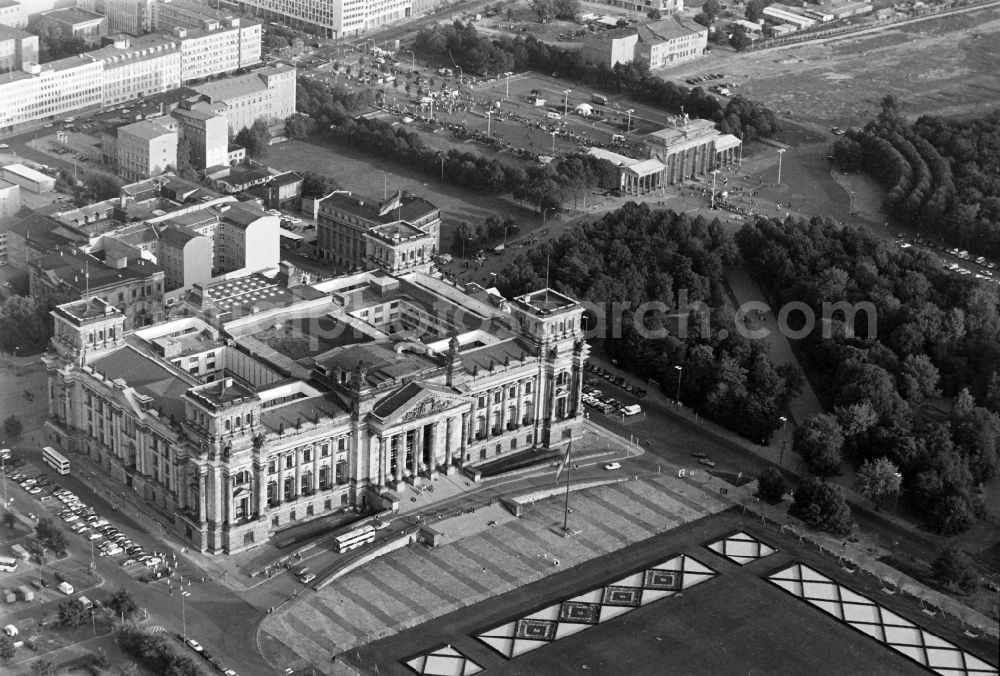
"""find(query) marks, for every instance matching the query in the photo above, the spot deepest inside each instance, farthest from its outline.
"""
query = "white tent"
(584, 109)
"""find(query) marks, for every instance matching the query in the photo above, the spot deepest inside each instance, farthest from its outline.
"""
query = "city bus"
(55, 460)
(355, 538)
(8, 564)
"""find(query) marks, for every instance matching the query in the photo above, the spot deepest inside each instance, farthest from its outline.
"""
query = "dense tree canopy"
(636, 256)
(924, 332)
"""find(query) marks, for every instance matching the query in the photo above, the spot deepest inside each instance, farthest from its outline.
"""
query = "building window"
(289, 461)
(496, 397)
(272, 466)
(309, 510)
(328, 504)
(307, 455)
(276, 520)
(527, 387)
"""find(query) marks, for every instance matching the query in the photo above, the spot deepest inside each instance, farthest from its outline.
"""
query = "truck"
(24, 591)
(66, 588)
(599, 99)
(632, 409)
(20, 552)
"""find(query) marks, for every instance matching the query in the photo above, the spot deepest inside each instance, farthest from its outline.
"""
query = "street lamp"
(3, 470)
(366, 44)
(546, 212)
(489, 122)
(628, 124)
(505, 236)
(715, 172)
(553, 143)
(183, 614)
(781, 457)
(680, 373)
(413, 59)
(566, 101)
(899, 482)
(781, 151)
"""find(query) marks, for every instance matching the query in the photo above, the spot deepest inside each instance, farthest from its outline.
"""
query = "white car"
(307, 578)
(611, 466)
(4, 146)
(95, 535)
(194, 645)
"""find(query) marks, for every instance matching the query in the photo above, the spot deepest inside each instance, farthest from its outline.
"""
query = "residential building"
(207, 133)
(49, 91)
(218, 47)
(134, 287)
(246, 238)
(12, 14)
(136, 67)
(34, 235)
(10, 203)
(330, 18)
(671, 41)
(280, 190)
(610, 47)
(186, 257)
(145, 149)
(77, 23)
(17, 47)
(239, 180)
(170, 14)
(659, 44)
(219, 423)
(268, 94)
(344, 220)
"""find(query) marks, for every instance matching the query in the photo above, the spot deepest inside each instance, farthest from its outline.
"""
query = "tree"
(755, 11)
(771, 484)
(58, 543)
(953, 566)
(123, 604)
(185, 169)
(654, 14)
(128, 669)
(543, 9)
(919, 379)
(739, 40)
(565, 9)
(299, 126)
(878, 479)
(12, 427)
(43, 667)
(73, 613)
(254, 138)
(823, 506)
(9, 520)
(820, 441)
(24, 326)
(6, 647)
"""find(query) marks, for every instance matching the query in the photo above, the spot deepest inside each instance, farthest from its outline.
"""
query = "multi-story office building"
(344, 221)
(49, 91)
(659, 44)
(124, 16)
(138, 67)
(77, 23)
(12, 14)
(145, 149)
(246, 238)
(331, 18)
(218, 47)
(221, 423)
(268, 94)
(17, 47)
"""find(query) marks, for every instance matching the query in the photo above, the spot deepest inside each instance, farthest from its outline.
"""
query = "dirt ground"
(943, 66)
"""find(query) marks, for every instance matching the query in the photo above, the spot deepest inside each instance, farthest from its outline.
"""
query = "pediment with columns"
(415, 401)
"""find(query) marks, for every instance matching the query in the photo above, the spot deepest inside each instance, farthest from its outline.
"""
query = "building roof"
(496, 354)
(147, 377)
(397, 232)
(668, 29)
(232, 87)
(610, 156)
(45, 231)
(82, 272)
(243, 213)
(398, 206)
(27, 172)
(544, 302)
(72, 15)
(145, 130)
(177, 236)
(287, 178)
(247, 176)
(84, 309)
(136, 49)
(686, 132)
(11, 33)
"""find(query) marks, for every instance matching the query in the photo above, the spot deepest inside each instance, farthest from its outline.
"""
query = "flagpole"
(568, 470)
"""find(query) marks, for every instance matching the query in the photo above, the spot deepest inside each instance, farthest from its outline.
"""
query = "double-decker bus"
(8, 564)
(55, 460)
(355, 538)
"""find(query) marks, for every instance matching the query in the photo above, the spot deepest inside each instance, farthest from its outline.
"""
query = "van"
(66, 588)
(618, 138)
(10, 630)
(553, 116)
(633, 409)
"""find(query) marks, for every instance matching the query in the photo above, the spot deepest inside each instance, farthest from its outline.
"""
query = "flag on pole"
(564, 462)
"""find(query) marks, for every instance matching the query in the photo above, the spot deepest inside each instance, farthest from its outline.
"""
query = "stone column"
(400, 454)
(464, 432)
(315, 477)
(261, 489)
(201, 496)
(227, 499)
(418, 450)
(298, 473)
(281, 478)
(448, 442)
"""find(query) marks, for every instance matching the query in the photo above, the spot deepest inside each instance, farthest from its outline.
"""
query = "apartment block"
(17, 47)
(49, 91)
(206, 131)
(77, 23)
(133, 17)
(218, 47)
(145, 149)
(135, 67)
(268, 94)
(331, 18)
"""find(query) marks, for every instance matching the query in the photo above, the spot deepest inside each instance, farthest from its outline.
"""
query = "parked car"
(611, 466)
(706, 462)
(307, 578)
(194, 645)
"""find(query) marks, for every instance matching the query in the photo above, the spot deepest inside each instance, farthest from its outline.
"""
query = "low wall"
(364, 557)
